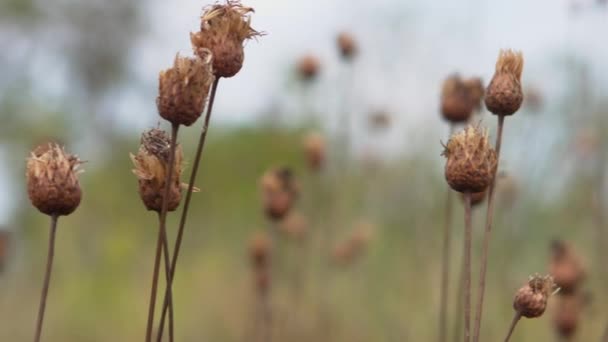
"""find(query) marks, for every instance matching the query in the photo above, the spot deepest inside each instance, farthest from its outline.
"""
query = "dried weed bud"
(315, 150)
(504, 95)
(471, 161)
(567, 315)
(295, 226)
(308, 67)
(52, 180)
(347, 45)
(476, 91)
(224, 29)
(531, 299)
(183, 89)
(260, 249)
(456, 103)
(151, 167)
(279, 192)
(379, 120)
(566, 267)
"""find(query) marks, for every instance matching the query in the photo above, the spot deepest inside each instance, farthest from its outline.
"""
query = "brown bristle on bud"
(224, 29)
(347, 45)
(52, 180)
(260, 249)
(471, 161)
(456, 104)
(294, 226)
(308, 67)
(183, 89)
(531, 299)
(314, 149)
(279, 192)
(567, 314)
(566, 267)
(151, 166)
(504, 94)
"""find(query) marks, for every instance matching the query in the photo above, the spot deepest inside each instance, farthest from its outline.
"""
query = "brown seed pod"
(456, 102)
(347, 45)
(52, 180)
(531, 299)
(183, 89)
(279, 192)
(379, 120)
(308, 67)
(566, 267)
(260, 249)
(504, 94)
(471, 161)
(151, 167)
(315, 150)
(567, 314)
(224, 29)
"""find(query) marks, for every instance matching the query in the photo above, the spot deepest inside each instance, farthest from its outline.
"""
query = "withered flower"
(567, 314)
(504, 94)
(279, 192)
(531, 299)
(347, 45)
(183, 89)
(224, 29)
(52, 180)
(151, 166)
(471, 161)
(308, 67)
(476, 91)
(566, 267)
(315, 150)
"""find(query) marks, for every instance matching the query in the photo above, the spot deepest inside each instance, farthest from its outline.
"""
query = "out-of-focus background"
(85, 73)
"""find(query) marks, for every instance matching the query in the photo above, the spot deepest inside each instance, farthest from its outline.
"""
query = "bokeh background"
(85, 73)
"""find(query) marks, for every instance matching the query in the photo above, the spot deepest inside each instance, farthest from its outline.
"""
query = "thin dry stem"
(184, 216)
(161, 233)
(47, 277)
(169, 291)
(468, 237)
(512, 327)
(487, 235)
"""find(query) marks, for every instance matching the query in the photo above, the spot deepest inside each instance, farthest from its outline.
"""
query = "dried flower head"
(504, 95)
(315, 150)
(349, 250)
(457, 101)
(308, 67)
(260, 249)
(476, 91)
(279, 192)
(151, 167)
(52, 180)
(531, 299)
(224, 29)
(379, 120)
(294, 225)
(566, 267)
(567, 314)
(347, 45)
(183, 89)
(471, 161)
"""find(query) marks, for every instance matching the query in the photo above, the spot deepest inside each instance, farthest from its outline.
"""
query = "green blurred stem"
(487, 235)
(182, 222)
(162, 233)
(47, 277)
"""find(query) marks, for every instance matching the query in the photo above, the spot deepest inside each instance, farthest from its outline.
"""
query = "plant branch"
(47, 277)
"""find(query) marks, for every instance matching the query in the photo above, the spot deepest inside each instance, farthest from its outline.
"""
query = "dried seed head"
(151, 167)
(531, 299)
(294, 225)
(308, 67)
(349, 250)
(476, 91)
(504, 95)
(471, 161)
(347, 45)
(315, 150)
(52, 180)
(456, 104)
(224, 29)
(260, 249)
(379, 120)
(183, 89)
(279, 192)
(567, 315)
(566, 267)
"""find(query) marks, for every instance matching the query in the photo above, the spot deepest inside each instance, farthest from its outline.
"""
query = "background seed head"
(52, 180)
(504, 94)
(347, 45)
(459, 99)
(151, 166)
(183, 89)
(308, 67)
(471, 161)
(280, 191)
(314, 150)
